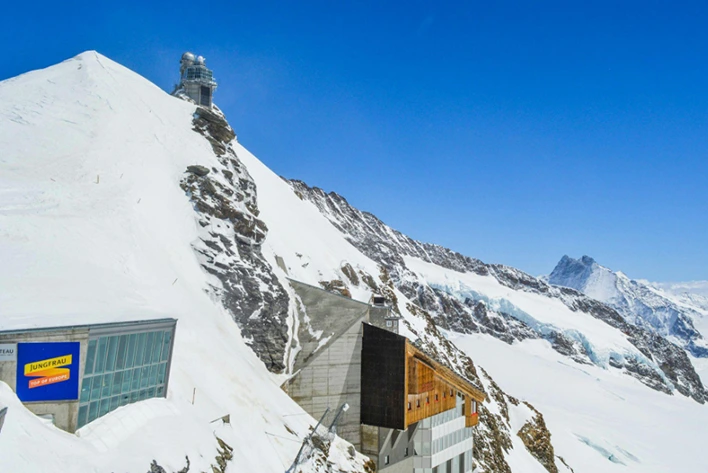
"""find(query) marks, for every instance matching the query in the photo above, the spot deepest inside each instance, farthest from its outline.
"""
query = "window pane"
(111, 357)
(153, 375)
(122, 347)
(85, 390)
(129, 363)
(126, 381)
(104, 407)
(134, 396)
(135, 384)
(144, 373)
(96, 387)
(117, 382)
(115, 400)
(148, 348)
(93, 411)
(83, 412)
(90, 357)
(157, 347)
(160, 391)
(151, 392)
(106, 385)
(161, 374)
(166, 345)
(124, 399)
(143, 394)
(100, 355)
(139, 349)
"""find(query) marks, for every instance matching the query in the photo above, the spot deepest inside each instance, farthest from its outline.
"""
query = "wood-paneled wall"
(432, 389)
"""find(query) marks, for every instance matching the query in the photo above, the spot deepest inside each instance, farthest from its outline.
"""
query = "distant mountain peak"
(573, 273)
(639, 302)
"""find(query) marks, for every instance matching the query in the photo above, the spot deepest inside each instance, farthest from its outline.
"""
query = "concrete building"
(407, 412)
(73, 375)
(196, 80)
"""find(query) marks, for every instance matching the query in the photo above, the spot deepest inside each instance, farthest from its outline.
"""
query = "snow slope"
(94, 227)
(600, 421)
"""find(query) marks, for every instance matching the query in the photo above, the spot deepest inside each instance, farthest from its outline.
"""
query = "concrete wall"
(326, 314)
(65, 412)
(332, 378)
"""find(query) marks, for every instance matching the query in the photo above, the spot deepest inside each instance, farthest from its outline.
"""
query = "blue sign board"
(48, 371)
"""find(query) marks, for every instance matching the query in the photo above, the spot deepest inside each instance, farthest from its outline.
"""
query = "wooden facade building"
(401, 385)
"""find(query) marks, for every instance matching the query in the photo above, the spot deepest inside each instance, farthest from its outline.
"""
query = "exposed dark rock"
(198, 170)
(537, 439)
(336, 286)
(350, 273)
(231, 236)
(210, 123)
(155, 468)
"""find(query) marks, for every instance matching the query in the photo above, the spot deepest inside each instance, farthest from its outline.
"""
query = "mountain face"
(639, 303)
(118, 200)
(469, 310)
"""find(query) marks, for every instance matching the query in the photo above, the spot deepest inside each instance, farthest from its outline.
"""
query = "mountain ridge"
(639, 303)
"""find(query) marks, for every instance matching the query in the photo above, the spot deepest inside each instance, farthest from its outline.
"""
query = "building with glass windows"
(196, 80)
(74, 375)
(407, 411)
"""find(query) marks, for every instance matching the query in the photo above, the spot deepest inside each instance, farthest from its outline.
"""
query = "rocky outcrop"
(231, 234)
(537, 439)
(337, 286)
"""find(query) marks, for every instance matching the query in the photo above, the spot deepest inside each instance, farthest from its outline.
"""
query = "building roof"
(83, 323)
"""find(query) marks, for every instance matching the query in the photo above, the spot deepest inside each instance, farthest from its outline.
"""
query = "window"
(122, 369)
(409, 406)
(427, 399)
(436, 398)
(389, 323)
(205, 96)
(417, 403)
(406, 452)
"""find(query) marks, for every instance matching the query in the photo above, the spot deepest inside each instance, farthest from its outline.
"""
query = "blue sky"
(514, 132)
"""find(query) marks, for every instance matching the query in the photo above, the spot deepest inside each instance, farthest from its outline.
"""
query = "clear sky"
(514, 132)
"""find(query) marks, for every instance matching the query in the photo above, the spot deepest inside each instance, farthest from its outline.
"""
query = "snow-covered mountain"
(99, 215)
(94, 226)
(694, 293)
(640, 303)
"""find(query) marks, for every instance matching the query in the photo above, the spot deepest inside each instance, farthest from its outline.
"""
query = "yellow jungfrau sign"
(48, 371)
(44, 365)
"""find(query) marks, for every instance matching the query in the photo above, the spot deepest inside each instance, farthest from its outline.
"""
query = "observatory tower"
(196, 81)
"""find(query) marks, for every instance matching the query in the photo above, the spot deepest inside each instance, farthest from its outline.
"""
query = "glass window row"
(95, 409)
(110, 384)
(117, 352)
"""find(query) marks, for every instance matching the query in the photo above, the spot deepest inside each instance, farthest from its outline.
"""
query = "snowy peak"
(639, 302)
(586, 276)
